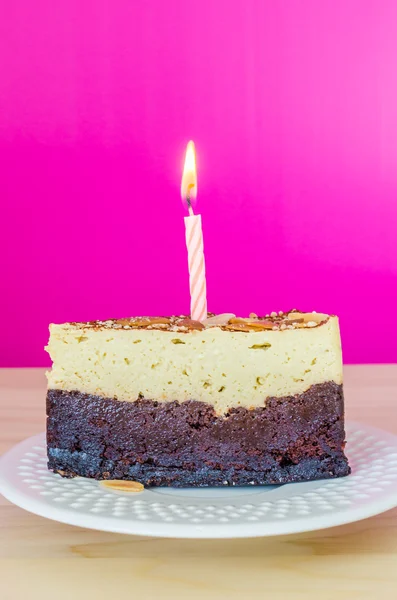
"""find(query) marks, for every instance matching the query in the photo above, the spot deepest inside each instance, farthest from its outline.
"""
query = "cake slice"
(175, 402)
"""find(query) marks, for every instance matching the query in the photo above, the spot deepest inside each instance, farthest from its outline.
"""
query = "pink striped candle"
(194, 239)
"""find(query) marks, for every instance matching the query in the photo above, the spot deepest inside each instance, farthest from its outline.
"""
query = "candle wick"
(189, 204)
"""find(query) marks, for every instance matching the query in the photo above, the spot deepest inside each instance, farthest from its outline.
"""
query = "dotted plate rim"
(209, 512)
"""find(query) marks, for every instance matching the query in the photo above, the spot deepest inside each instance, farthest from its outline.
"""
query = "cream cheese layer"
(224, 368)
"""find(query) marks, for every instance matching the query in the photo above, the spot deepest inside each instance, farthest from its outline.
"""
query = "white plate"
(209, 512)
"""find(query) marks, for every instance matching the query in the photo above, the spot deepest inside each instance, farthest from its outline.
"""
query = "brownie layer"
(294, 438)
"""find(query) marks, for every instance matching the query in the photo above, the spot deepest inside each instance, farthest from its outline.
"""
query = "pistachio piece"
(264, 346)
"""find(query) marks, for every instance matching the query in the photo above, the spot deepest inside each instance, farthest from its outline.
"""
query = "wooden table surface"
(44, 559)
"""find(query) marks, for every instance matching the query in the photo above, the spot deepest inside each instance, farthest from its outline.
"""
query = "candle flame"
(189, 177)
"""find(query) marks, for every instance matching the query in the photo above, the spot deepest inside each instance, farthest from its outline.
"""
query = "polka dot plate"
(209, 512)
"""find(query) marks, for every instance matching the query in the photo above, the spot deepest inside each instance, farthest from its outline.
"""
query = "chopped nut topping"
(276, 321)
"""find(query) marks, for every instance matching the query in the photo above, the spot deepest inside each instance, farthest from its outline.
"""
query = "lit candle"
(194, 239)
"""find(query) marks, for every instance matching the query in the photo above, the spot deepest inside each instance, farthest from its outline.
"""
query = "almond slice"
(144, 321)
(222, 319)
(132, 322)
(261, 324)
(121, 485)
(191, 324)
(239, 320)
(140, 323)
(254, 323)
(293, 321)
(159, 320)
(237, 327)
(123, 322)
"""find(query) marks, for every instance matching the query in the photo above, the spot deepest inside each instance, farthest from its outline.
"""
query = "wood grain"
(44, 559)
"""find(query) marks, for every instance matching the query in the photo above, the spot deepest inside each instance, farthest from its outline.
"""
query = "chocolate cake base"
(297, 438)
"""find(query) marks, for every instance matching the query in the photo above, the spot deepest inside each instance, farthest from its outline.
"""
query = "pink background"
(293, 108)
